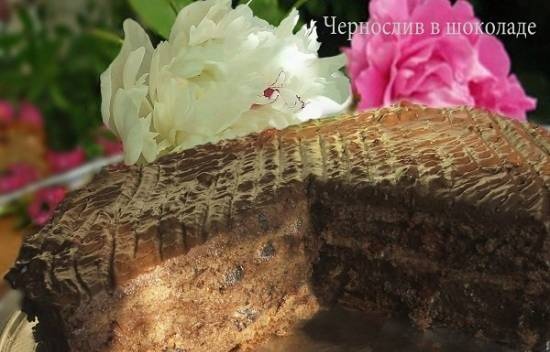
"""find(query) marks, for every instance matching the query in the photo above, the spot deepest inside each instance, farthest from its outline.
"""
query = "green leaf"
(158, 15)
(9, 40)
(106, 36)
(269, 10)
(58, 99)
(26, 20)
(180, 4)
(317, 8)
(300, 3)
(91, 149)
(351, 11)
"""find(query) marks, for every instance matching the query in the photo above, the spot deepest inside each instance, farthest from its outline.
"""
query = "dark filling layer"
(462, 272)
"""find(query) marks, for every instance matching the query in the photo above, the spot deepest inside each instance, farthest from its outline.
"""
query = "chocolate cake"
(441, 215)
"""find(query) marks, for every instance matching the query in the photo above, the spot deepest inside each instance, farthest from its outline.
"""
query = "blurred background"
(53, 51)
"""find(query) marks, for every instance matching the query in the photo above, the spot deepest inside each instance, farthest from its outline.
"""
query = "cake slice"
(441, 215)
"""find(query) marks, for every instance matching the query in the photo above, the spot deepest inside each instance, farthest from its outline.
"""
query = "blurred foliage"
(269, 10)
(57, 68)
(158, 15)
(17, 209)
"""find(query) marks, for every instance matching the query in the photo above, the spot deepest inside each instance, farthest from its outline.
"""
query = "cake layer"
(456, 236)
(463, 189)
(235, 291)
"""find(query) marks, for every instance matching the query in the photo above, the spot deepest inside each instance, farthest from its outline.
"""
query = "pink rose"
(498, 92)
(64, 161)
(44, 203)
(429, 68)
(16, 176)
(5, 12)
(6, 112)
(30, 115)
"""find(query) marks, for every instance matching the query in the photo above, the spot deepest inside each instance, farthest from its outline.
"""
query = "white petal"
(126, 107)
(322, 106)
(192, 15)
(133, 144)
(150, 150)
(329, 65)
(338, 88)
(106, 91)
(131, 69)
(307, 35)
(135, 37)
(286, 27)
(160, 58)
(203, 32)
(123, 108)
(112, 79)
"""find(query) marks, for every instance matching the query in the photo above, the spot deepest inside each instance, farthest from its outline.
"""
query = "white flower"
(223, 73)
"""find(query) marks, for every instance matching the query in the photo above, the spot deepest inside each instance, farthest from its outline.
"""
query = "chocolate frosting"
(130, 219)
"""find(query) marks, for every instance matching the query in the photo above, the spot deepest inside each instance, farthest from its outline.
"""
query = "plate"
(15, 330)
(342, 330)
(334, 330)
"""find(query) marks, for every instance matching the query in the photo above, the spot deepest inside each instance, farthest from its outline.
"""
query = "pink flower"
(6, 112)
(44, 203)
(436, 69)
(110, 146)
(16, 176)
(5, 12)
(499, 91)
(30, 115)
(64, 161)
